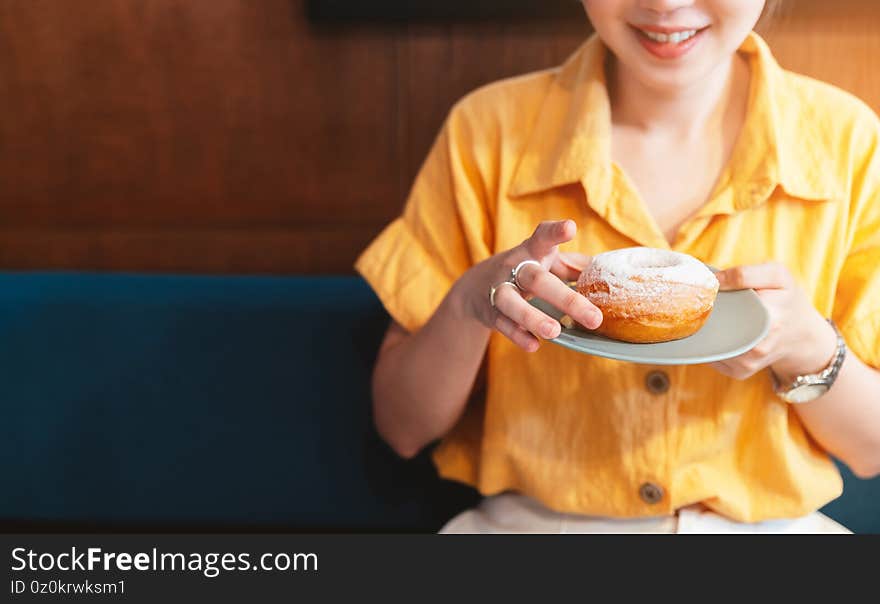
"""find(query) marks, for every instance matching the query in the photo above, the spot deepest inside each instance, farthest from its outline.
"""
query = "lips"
(668, 42)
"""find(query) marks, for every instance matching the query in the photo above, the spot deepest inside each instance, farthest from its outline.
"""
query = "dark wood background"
(410, 10)
(236, 136)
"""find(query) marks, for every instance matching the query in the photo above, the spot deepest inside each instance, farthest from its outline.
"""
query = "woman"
(673, 127)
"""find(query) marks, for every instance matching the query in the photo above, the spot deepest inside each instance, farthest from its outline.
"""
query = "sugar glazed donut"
(649, 295)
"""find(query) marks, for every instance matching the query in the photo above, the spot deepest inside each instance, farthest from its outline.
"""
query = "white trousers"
(514, 513)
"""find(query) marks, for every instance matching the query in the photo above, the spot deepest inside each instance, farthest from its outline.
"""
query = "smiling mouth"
(672, 37)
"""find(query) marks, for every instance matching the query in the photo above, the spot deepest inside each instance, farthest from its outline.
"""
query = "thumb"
(568, 266)
(575, 261)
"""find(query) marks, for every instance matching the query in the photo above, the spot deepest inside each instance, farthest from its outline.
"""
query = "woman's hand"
(512, 315)
(799, 342)
(423, 380)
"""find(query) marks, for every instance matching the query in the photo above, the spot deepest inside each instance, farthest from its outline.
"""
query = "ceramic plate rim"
(652, 360)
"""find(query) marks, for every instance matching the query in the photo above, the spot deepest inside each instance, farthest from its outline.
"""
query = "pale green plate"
(737, 323)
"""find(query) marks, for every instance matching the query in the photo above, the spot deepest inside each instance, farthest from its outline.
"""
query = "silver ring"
(515, 272)
(495, 288)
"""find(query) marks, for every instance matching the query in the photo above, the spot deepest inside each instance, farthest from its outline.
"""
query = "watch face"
(807, 392)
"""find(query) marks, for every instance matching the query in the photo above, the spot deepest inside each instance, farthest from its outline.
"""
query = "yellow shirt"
(589, 435)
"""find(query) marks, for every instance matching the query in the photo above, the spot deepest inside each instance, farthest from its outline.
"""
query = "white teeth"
(659, 37)
(674, 38)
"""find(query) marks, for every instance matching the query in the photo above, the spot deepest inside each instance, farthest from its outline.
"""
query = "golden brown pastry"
(649, 295)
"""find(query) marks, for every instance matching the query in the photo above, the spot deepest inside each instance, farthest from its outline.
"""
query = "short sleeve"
(443, 231)
(857, 300)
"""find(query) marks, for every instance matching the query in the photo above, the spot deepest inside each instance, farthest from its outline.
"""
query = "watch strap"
(826, 377)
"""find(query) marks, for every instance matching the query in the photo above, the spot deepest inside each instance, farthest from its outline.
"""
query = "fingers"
(739, 368)
(771, 275)
(511, 304)
(723, 368)
(547, 236)
(548, 287)
(521, 322)
(749, 363)
(568, 266)
(516, 334)
(575, 261)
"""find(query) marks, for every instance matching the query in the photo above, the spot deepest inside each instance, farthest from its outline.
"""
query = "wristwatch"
(806, 388)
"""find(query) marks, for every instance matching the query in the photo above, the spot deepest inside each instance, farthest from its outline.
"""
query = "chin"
(668, 77)
(671, 80)
(664, 78)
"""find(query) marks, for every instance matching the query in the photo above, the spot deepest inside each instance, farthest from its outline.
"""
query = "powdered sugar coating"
(654, 264)
(648, 281)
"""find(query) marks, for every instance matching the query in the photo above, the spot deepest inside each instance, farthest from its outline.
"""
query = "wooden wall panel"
(236, 136)
(440, 64)
(837, 42)
(190, 114)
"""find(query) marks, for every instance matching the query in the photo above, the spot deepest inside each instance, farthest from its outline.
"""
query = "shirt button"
(650, 493)
(657, 382)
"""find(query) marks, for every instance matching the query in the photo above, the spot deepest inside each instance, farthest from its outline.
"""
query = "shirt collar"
(571, 139)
